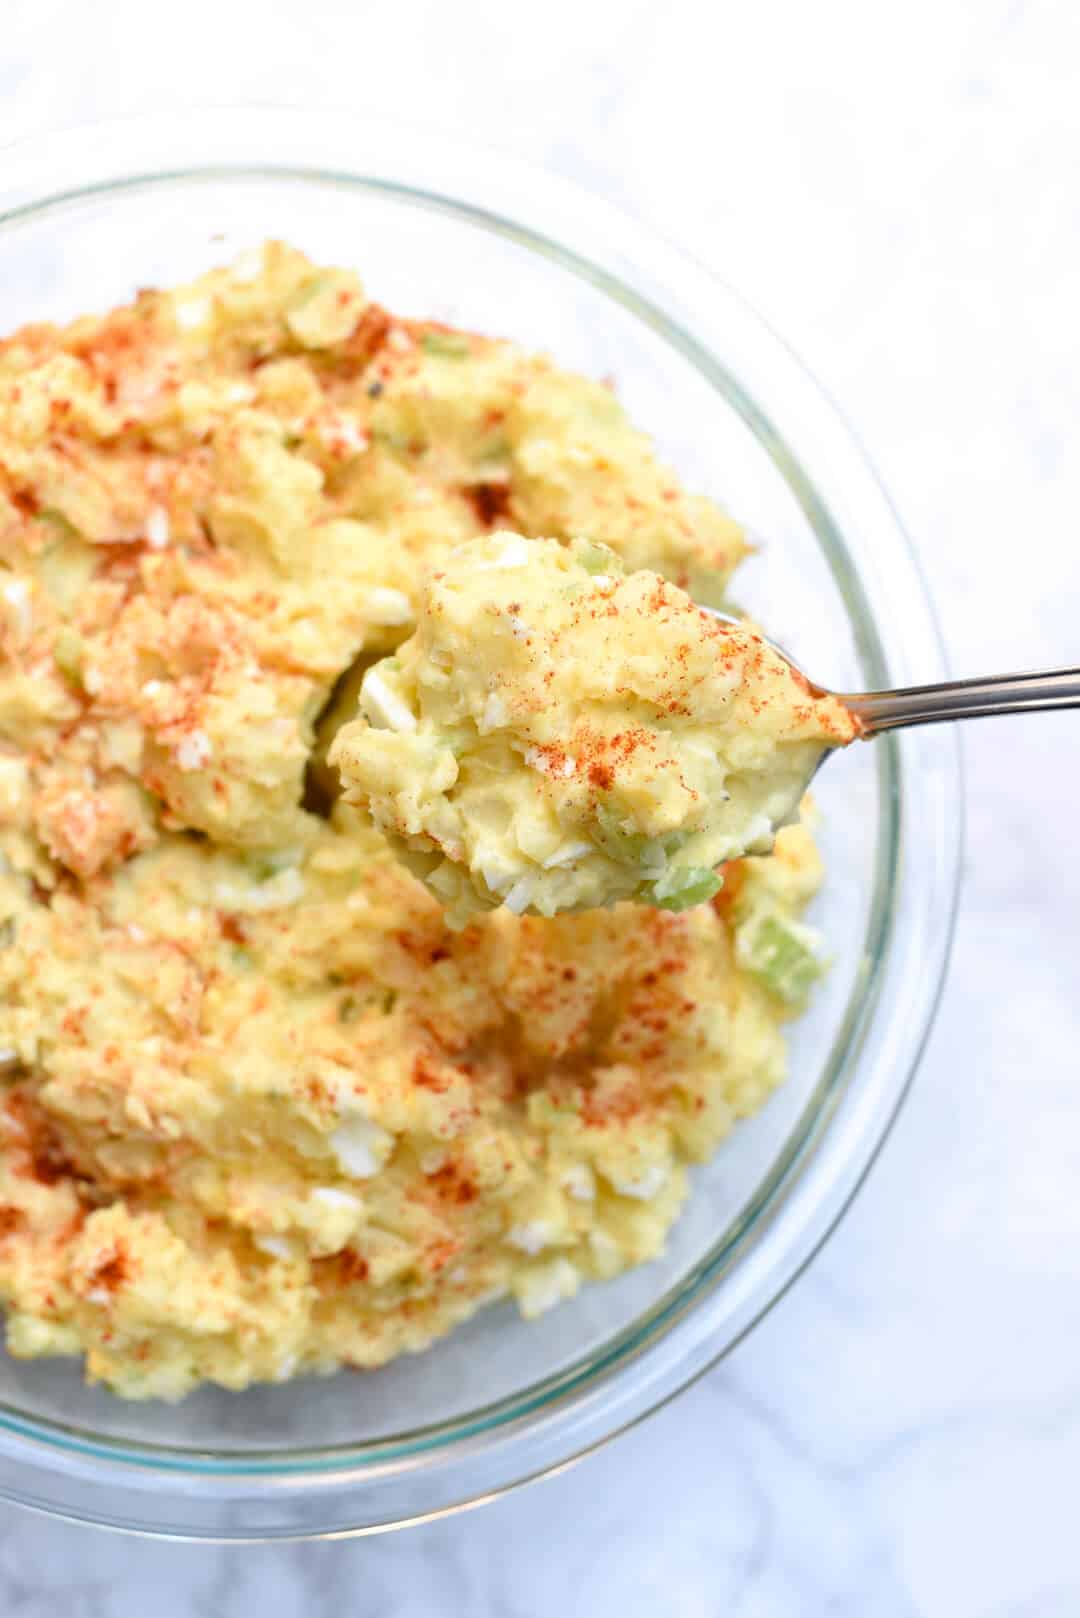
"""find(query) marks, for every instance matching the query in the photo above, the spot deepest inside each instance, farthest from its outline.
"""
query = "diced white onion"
(566, 854)
(546, 1287)
(579, 1182)
(531, 1237)
(520, 895)
(512, 552)
(360, 1146)
(193, 750)
(643, 1186)
(157, 528)
(16, 593)
(384, 705)
(330, 1197)
(386, 606)
(275, 1246)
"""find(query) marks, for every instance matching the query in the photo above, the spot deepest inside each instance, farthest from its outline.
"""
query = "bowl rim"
(564, 1415)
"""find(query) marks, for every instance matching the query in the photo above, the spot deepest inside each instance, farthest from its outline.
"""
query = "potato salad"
(264, 1112)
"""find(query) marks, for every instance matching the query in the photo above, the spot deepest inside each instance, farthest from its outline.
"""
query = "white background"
(897, 190)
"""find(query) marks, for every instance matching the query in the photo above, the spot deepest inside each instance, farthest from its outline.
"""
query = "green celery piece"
(64, 525)
(625, 847)
(68, 655)
(67, 563)
(630, 847)
(680, 889)
(780, 954)
(597, 558)
(444, 345)
(265, 867)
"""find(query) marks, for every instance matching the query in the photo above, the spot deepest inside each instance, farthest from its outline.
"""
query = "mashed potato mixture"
(557, 736)
(261, 1111)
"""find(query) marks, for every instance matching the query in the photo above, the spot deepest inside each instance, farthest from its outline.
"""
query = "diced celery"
(779, 952)
(680, 889)
(444, 345)
(265, 867)
(387, 438)
(67, 564)
(68, 655)
(56, 518)
(351, 1007)
(597, 558)
(493, 458)
(647, 854)
(611, 837)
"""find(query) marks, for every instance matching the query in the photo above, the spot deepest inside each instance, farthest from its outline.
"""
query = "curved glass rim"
(591, 1372)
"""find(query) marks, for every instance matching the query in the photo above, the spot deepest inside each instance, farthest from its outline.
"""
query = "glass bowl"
(441, 230)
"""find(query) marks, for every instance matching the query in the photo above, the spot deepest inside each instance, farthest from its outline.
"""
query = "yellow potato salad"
(263, 1112)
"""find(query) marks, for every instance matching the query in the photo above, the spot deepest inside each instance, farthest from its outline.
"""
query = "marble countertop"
(896, 190)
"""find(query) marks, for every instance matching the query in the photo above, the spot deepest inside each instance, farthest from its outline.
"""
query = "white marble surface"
(897, 191)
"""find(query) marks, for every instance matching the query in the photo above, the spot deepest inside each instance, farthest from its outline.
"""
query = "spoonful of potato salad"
(558, 734)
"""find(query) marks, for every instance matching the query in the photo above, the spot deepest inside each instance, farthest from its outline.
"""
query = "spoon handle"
(966, 699)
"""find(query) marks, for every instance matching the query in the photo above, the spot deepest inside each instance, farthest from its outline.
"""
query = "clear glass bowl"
(441, 230)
